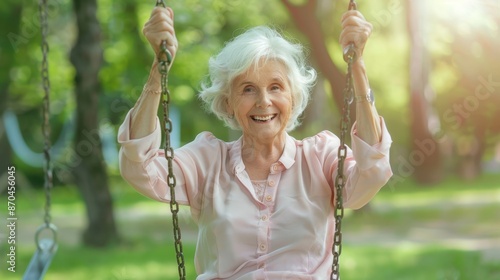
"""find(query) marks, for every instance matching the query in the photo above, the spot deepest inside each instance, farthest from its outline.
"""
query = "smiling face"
(261, 100)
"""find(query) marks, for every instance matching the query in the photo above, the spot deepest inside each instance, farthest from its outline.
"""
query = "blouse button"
(275, 167)
(272, 183)
(269, 198)
(262, 247)
(264, 218)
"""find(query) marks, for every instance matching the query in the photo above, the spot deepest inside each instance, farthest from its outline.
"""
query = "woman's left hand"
(355, 30)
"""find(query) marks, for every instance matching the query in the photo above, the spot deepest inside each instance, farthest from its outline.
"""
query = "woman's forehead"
(263, 70)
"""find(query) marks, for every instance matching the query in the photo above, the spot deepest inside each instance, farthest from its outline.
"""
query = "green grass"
(467, 208)
(414, 263)
(148, 260)
(409, 190)
(141, 259)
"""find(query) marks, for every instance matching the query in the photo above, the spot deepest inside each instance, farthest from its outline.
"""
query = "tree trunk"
(132, 23)
(304, 17)
(10, 20)
(91, 176)
(425, 156)
(471, 155)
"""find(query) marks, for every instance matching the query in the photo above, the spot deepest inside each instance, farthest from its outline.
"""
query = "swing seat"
(46, 249)
(40, 261)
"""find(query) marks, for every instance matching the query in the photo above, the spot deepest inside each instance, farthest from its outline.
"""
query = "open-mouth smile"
(264, 118)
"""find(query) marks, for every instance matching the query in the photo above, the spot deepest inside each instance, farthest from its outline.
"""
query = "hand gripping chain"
(340, 181)
(164, 61)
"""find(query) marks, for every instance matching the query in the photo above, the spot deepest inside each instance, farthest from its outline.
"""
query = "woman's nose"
(264, 100)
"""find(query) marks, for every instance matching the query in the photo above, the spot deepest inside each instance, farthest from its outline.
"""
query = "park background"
(434, 67)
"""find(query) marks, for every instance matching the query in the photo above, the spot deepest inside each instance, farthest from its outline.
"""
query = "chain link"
(164, 60)
(340, 180)
(46, 111)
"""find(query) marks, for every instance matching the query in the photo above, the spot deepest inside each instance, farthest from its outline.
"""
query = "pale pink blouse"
(288, 234)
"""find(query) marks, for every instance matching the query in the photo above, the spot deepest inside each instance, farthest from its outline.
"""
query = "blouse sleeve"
(371, 171)
(367, 168)
(195, 166)
(143, 165)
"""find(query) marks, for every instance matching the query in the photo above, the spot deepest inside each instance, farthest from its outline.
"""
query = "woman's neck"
(259, 155)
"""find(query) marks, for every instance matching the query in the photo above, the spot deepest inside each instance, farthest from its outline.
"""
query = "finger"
(161, 10)
(157, 38)
(159, 28)
(163, 25)
(160, 35)
(171, 41)
(160, 17)
(172, 44)
(355, 21)
(171, 13)
(356, 26)
(365, 30)
(355, 37)
(352, 13)
(160, 23)
(352, 32)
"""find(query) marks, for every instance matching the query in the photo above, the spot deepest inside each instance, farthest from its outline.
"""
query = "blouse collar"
(287, 159)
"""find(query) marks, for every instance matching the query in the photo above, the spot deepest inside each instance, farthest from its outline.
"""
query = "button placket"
(263, 231)
(262, 247)
(266, 213)
(276, 168)
(271, 190)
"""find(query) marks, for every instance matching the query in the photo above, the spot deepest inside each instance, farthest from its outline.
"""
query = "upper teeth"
(263, 118)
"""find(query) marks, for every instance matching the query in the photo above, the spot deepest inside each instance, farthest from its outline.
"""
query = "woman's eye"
(249, 90)
(275, 88)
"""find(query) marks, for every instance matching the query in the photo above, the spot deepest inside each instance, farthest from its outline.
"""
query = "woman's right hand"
(159, 27)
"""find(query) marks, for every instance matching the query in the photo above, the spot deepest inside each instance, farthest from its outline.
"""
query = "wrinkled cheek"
(286, 118)
(239, 122)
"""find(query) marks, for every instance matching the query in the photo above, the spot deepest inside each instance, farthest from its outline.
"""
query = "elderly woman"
(263, 203)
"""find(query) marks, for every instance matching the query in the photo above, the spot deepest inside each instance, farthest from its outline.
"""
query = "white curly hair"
(247, 49)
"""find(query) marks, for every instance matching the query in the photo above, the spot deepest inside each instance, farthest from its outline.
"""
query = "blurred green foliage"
(460, 54)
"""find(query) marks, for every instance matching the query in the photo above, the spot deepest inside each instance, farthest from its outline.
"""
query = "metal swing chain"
(48, 185)
(340, 180)
(164, 60)
(46, 109)
(47, 247)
